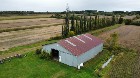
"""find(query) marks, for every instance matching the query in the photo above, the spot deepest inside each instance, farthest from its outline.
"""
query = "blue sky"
(60, 5)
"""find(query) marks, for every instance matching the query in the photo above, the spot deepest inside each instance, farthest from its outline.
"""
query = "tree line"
(75, 25)
(20, 12)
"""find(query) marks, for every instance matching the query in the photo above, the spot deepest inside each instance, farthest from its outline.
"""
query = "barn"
(76, 50)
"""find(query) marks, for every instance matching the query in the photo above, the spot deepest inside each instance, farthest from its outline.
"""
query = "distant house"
(76, 50)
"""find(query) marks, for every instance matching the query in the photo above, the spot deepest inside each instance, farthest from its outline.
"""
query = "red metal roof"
(80, 44)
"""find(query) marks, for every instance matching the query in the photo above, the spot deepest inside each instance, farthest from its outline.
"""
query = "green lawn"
(32, 66)
(29, 46)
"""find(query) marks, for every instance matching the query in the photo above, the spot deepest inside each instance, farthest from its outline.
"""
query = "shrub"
(38, 51)
(45, 55)
(128, 21)
(71, 33)
(120, 20)
(136, 23)
(56, 38)
(112, 43)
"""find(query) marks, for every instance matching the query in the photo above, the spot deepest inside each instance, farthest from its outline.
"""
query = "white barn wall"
(68, 59)
(48, 47)
(90, 54)
(55, 46)
(66, 56)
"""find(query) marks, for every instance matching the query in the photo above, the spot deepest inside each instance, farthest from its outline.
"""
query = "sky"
(60, 5)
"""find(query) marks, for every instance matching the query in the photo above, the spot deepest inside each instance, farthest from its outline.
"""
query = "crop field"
(129, 17)
(127, 63)
(26, 23)
(23, 31)
(22, 37)
(129, 36)
(32, 16)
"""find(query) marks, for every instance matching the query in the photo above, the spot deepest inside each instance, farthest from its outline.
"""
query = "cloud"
(60, 5)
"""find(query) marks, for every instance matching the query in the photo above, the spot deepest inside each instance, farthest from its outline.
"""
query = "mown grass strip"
(29, 46)
(24, 28)
(99, 31)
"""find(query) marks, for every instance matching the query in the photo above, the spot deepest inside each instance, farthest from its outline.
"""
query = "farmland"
(28, 40)
(126, 63)
(32, 16)
(31, 64)
(5, 24)
(34, 30)
(129, 36)
(22, 37)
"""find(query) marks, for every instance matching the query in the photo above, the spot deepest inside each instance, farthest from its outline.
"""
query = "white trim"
(79, 39)
(70, 42)
(60, 59)
(87, 37)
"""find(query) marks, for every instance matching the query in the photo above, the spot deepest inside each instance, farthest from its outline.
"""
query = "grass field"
(124, 65)
(32, 66)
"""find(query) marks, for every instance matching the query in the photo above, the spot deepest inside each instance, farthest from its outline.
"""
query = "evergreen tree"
(98, 22)
(90, 23)
(95, 21)
(84, 25)
(62, 31)
(120, 20)
(113, 20)
(66, 26)
(81, 24)
(72, 24)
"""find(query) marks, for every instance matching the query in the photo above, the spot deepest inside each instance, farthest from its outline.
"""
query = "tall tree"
(120, 20)
(66, 26)
(95, 21)
(81, 24)
(84, 25)
(90, 23)
(72, 23)
(113, 20)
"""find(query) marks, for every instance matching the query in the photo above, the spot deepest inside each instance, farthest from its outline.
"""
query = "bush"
(38, 51)
(56, 38)
(112, 43)
(120, 20)
(136, 23)
(45, 55)
(128, 22)
(71, 33)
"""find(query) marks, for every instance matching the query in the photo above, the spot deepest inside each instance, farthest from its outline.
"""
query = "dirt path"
(129, 36)
(22, 37)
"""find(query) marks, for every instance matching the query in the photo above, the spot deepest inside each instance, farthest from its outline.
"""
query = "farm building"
(76, 50)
